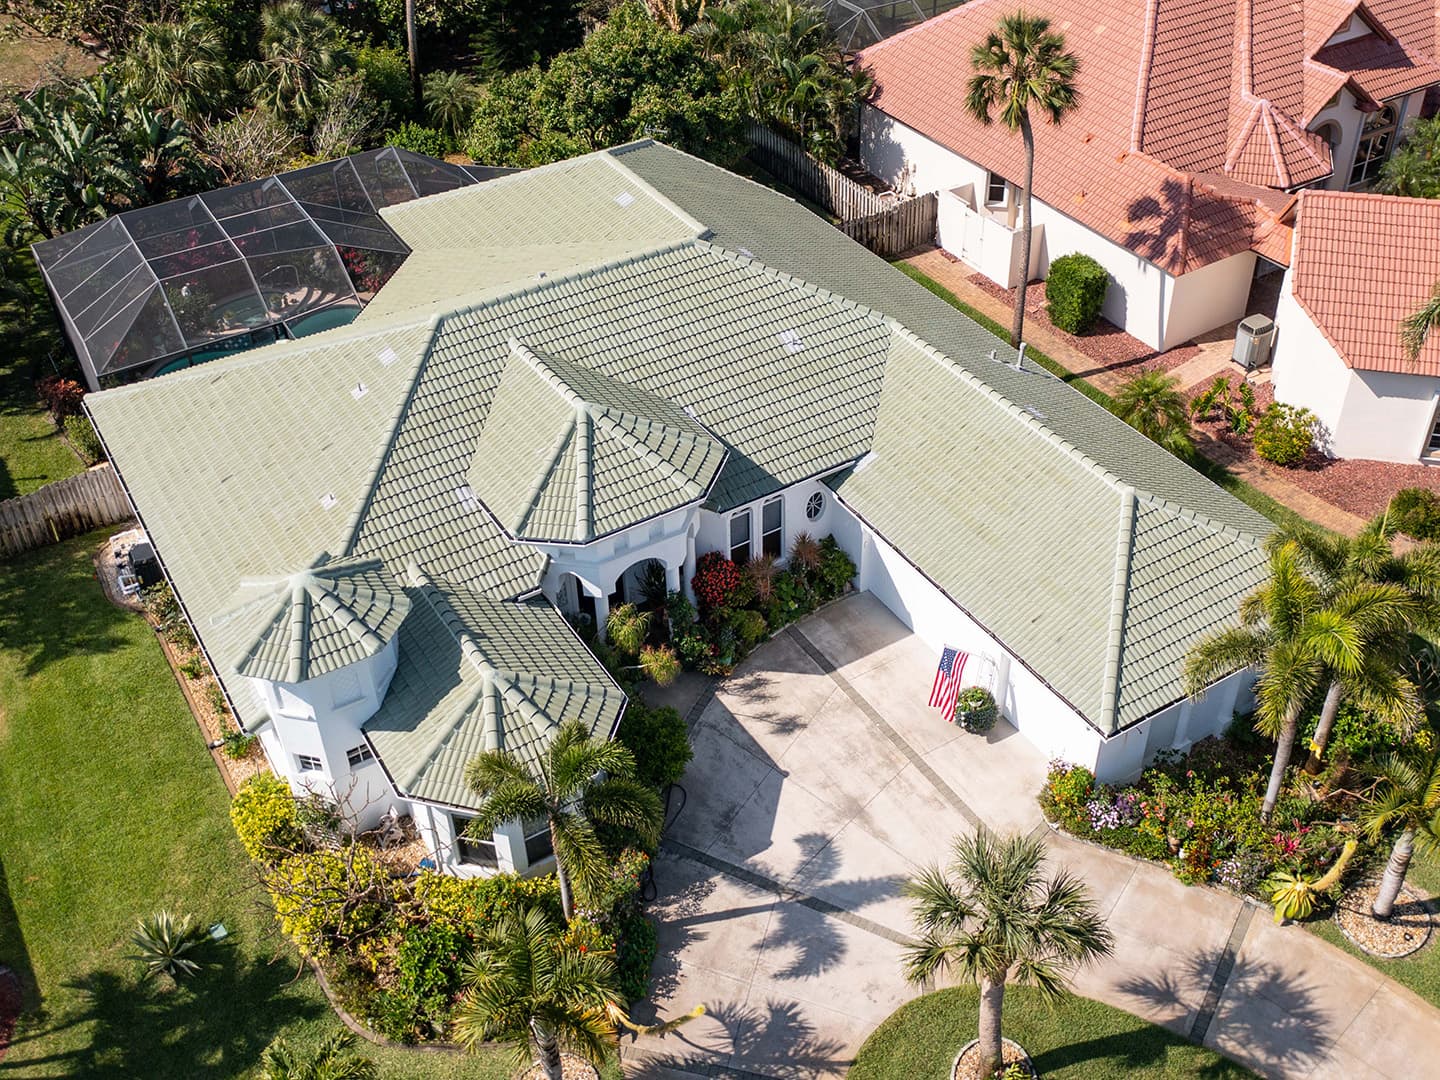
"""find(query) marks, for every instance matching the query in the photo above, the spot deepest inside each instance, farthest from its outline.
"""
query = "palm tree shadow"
(776, 1040)
(1184, 222)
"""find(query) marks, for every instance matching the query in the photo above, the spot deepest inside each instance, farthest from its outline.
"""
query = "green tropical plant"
(301, 54)
(1300, 638)
(165, 945)
(1075, 292)
(1406, 798)
(450, 100)
(1414, 168)
(1284, 433)
(626, 628)
(1415, 328)
(166, 160)
(976, 709)
(527, 986)
(579, 782)
(992, 917)
(1021, 65)
(660, 664)
(180, 67)
(333, 1059)
(1153, 406)
(1294, 895)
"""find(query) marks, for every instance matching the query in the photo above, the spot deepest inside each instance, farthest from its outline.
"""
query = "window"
(359, 755)
(740, 537)
(309, 764)
(472, 852)
(537, 841)
(815, 506)
(772, 528)
(1432, 446)
(995, 190)
(1376, 141)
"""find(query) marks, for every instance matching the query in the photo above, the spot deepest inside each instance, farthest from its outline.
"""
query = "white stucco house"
(1197, 125)
(632, 358)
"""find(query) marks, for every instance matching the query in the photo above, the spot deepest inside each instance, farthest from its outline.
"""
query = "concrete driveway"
(821, 778)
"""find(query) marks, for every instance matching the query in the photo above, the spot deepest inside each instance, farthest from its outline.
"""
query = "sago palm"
(529, 987)
(1407, 798)
(579, 782)
(1022, 65)
(181, 67)
(1300, 639)
(333, 1059)
(1340, 563)
(992, 916)
(1151, 404)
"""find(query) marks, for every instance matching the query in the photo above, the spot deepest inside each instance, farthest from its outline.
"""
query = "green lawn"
(109, 809)
(31, 451)
(1079, 1040)
(1257, 500)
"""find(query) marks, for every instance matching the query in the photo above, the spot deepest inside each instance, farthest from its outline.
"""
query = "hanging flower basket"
(976, 710)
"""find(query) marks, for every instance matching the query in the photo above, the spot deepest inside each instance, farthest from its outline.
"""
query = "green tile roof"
(318, 619)
(568, 454)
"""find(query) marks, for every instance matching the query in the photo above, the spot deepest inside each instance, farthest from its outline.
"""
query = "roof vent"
(747, 253)
(465, 496)
(1033, 411)
(359, 390)
(388, 356)
(791, 340)
(690, 412)
(328, 501)
(625, 198)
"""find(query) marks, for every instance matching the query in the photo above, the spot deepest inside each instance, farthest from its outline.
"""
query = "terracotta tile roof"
(1174, 94)
(1345, 243)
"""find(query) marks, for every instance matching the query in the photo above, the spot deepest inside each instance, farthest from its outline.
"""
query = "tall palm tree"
(181, 67)
(579, 782)
(334, 1059)
(993, 916)
(1342, 562)
(1151, 404)
(301, 55)
(1415, 328)
(528, 987)
(1020, 65)
(1300, 639)
(1408, 797)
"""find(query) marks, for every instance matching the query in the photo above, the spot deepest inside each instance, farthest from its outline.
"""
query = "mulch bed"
(1408, 929)
(1110, 347)
(9, 1006)
(967, 1065)
(571, 1068)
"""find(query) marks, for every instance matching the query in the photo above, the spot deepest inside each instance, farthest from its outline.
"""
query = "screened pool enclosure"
(163, 287)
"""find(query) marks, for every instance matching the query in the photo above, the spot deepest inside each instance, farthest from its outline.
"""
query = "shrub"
(975, 709)
(419, 139)
(164, 944)
(238, 745)
(679, 614)
(60, 396)
(215, 698)
(626, 628)
(1284, 434)
(760, 573)
(660, 742)
(164, 610)
(634, 954)
(660, 663)
(81, 434)
(466, 903)
(193, 667)
(1416, 513)
(749, 627)
(715, 582)
(836, 568)
(427, 976)
(385, 73)
(1066, 794)
(1075, 292)
(266, 818)
(325, 900)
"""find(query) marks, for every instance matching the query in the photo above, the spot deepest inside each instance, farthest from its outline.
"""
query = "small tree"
(1415, 328)
(1407, 798)
(992, 917)
(1151, 404)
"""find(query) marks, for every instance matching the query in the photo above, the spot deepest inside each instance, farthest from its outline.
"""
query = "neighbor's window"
(308, 763)
(772, 527)
(472, 852)
(740, 537)
(1377, 138)
(359, 755)
(994, 189)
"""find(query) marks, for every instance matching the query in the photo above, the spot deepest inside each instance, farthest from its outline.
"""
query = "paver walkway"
(1203, 368)
(821, 778)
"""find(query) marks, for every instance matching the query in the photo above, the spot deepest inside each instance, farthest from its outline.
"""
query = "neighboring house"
(1196, 124)
(1362, 263)
(631, 358)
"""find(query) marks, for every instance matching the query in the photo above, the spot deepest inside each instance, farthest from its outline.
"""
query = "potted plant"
(976, 710)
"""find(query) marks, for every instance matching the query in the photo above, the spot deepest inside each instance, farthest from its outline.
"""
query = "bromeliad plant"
(1294, 895)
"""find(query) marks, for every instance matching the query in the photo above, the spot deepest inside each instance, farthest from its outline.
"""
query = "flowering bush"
(716, 579)
(266, 818)
(61, 397)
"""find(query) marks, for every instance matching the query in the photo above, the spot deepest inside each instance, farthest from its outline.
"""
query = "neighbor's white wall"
(1209, 297)
(1124, 755)
(1305, 370)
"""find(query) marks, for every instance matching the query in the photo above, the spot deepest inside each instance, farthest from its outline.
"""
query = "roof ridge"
(1204, 521)
(1119, 605)
(636, 446)
(1142, 81)
(701, 229)
(944, 16)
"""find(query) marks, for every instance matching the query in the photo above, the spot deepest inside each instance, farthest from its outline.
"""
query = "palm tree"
(529, 987)
(1408, 797)
(1019, 65)
(1342, 562)
(450, 98)
(1151, 404)
(1415, 328)
(181, 67)
(1301, 639)
(993, 916)
(579, 782)
(301, 54)
(334, 1059)
(167, 162)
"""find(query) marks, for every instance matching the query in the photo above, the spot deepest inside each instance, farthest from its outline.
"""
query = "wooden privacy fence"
(65, 508)
(886, 224)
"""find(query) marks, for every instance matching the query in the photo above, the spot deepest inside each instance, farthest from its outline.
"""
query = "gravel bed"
(1407, 930)
(571, 1068)
(967, 1064)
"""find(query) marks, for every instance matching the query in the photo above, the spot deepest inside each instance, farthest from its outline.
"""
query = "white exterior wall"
(436, 826)
(713, 533)
(1144, 300)
(1347, 115)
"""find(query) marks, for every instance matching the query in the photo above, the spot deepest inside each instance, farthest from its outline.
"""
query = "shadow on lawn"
(52, 607)
(13, 952)
(201, 1029)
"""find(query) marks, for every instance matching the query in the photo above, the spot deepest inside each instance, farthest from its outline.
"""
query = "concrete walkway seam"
(1223, 971)
(784, 892)
(879, 722)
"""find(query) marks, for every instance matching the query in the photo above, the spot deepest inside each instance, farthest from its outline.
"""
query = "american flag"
(947, 680)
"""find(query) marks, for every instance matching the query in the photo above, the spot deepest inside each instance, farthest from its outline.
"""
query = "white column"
(672, 578)
(688, 573)
(510, 847)
(602, 615)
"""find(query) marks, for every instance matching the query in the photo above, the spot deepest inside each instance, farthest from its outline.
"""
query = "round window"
(815, 506)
